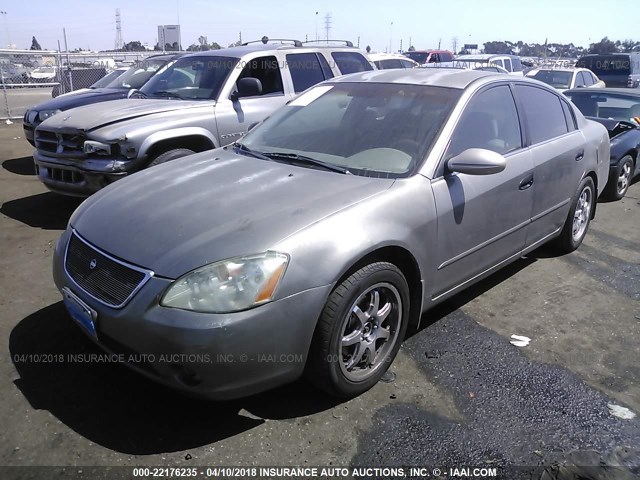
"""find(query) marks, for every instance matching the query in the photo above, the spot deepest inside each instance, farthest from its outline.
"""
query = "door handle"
(579, 155)
(526, 182)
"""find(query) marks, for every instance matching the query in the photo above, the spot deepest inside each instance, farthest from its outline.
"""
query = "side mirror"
(477, 161)
(247, 87)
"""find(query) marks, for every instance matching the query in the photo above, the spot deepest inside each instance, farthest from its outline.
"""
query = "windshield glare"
(554, 78)
(371, 129)
(107, 79)
(193, 78)
(137, 75)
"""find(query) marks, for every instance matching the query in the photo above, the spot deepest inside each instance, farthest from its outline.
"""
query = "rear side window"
(407, 64)
(544, 114)
(588, 79)
(305, 70)
(389, 63)
(517, 65)
(580, 80)
(351, 62)
(446, 57)
(507, 64)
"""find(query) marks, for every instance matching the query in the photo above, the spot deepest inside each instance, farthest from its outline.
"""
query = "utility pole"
(454, 44)
(119, 43)
(316, 26)
(439, 42)
(4, 16)
(327, 26)
(66, 47)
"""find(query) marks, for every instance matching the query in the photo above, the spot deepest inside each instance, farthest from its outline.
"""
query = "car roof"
(428, 51)
(243, 50)
(438, 77)
(383, 56)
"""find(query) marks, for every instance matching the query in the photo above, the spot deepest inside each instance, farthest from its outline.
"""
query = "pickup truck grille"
(69, 145)
(108, 280)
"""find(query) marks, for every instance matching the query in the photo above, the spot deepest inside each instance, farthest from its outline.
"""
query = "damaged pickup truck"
(204, 100)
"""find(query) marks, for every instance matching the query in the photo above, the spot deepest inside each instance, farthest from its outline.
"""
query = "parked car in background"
(615, 69)
(119, 87)
(102, 82)
(45, 74)
(511, 63)
(618, 109)
(257, 251)
(485, 67)
(424, 57)
(566, 78)
(202, 101)
(385, 61)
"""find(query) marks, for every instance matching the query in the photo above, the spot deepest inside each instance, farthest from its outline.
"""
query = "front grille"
(108, 280)
(60, 144)
(63, 175)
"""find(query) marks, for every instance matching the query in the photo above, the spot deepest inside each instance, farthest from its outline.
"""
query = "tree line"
(559, 49)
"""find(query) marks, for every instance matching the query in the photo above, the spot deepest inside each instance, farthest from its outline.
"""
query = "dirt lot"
(463, 395)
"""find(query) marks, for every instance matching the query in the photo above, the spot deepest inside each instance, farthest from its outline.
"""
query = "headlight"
(228, 286)
(100, 148)
(44, 114)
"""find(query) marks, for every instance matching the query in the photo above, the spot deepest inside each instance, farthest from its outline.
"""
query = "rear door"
(557, 149)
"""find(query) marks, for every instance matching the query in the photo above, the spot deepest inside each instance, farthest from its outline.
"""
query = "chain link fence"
(29, 77)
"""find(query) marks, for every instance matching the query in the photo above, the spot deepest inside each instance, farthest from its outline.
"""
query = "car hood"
(77, 99)
(212, 206)
(91, 117)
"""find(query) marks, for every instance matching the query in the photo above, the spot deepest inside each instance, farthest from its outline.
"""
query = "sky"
(91, 24)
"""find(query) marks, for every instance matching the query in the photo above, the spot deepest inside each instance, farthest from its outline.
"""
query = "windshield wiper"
(239, 147)
(164, 93)
(308, 160)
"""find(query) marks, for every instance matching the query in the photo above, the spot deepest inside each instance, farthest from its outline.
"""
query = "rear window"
(606, 64)
(351, 62)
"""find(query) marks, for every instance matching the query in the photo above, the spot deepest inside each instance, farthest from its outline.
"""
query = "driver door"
(483, 219)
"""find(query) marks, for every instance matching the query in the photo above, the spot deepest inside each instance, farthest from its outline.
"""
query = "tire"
(618, 183)
(170, 155)
(577, 223)
(356, 340)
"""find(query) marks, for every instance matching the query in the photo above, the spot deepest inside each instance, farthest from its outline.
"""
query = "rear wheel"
(618, 184)
(577, 223)
(170, 155)
(360, 330)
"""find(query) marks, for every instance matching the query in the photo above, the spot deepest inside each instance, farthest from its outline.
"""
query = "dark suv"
(615, 69)
(134, 78)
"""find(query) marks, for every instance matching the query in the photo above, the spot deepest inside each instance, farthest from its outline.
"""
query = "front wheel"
(360, 330)
(619, 182)
(577, 223)
(170, 155)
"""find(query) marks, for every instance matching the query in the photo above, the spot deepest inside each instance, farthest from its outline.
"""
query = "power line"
(119, 43)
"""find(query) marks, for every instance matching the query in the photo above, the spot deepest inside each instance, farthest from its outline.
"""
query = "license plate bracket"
(83, 315)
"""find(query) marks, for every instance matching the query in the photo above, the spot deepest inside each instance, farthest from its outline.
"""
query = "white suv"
(511, 63)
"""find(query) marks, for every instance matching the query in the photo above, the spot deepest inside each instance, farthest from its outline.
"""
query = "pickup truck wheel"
(618, 183)
(170, 155)
(359, 331)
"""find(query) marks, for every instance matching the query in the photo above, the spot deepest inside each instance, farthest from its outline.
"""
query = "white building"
(168, 34)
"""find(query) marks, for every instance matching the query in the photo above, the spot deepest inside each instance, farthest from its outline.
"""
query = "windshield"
(192, 78)
(554, 78)
(370, 129)
(138, 75)
(606, 64)
(107, 79)
(606, 105)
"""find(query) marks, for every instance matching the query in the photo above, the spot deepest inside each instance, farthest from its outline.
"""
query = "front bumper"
(29, 132)
(216, 356)
(77, 178)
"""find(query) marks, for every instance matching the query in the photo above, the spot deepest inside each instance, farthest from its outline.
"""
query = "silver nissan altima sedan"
(310, 245)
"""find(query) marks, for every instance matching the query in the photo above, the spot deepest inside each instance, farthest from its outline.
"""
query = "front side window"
(507, 64)
(490, 121)
(267, 70)
(543, 112)
(351, 62)
(370, 129)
